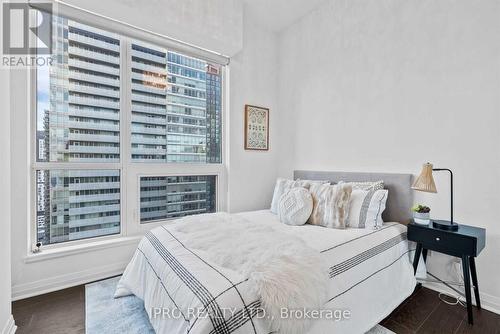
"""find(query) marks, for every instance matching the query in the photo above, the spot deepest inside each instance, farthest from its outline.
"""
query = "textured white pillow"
(330, 205)
(366, 207)
(295, 206)
(367, 185)
(283, 185)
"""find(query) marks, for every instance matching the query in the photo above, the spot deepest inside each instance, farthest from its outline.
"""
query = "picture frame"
(256, 128)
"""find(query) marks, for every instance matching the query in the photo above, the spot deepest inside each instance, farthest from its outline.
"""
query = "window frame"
(130, 170)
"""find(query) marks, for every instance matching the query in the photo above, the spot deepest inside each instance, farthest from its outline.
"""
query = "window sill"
(63, 251)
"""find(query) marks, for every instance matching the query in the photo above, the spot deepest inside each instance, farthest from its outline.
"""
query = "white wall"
(253, 81)
(387, 85)
(251, 176)
(5, 220)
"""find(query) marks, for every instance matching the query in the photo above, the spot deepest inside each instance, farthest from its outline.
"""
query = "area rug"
(107, 315)
(126, 315)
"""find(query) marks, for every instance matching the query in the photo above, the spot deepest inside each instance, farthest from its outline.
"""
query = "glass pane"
(77, 204)
(78, 96)
(165, 197)
(176, 107)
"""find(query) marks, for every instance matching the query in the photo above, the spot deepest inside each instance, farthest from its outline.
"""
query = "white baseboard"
(60, 282)
(10, 327)
(488, 302)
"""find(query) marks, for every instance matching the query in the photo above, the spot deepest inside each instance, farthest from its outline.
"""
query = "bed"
(369, 272)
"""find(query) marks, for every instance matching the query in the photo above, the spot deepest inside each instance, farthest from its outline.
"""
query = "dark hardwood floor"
(60, 312)
(64, 312)
(423, 312)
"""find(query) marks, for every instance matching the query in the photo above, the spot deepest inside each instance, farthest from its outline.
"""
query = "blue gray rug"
(126, 315)
(106, 315)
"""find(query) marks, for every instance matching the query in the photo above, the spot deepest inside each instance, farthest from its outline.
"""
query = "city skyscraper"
(81, 124)
(176, 196)
(170, 113)
(214, 114)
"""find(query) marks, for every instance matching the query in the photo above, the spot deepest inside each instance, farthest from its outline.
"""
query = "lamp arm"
(451, 188)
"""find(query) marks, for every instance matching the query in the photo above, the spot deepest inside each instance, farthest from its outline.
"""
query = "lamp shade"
(425, 181)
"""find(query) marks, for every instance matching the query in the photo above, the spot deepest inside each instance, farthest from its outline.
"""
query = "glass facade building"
(214, 114)
(171, 113)
(168, 197)
(83, 85)
(176, 107)
(79, 122)
(77, 204)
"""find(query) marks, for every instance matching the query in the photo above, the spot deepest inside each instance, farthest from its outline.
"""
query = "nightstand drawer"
(442, 241)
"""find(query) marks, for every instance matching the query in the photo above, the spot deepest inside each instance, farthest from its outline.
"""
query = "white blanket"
(275, 270)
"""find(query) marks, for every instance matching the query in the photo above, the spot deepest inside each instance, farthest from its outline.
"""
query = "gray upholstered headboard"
(400, 197)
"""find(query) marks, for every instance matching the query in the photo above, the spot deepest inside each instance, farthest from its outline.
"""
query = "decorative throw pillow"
(283, 185)
(295, 206)
(366, 208)
(308, 183)
(367, 185)
(330, 205)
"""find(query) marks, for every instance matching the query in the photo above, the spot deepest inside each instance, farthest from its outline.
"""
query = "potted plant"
(421, 214)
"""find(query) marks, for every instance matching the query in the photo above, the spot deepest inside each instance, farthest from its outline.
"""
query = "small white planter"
(422, 218)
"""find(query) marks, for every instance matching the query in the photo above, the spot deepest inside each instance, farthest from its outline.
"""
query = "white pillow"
(366, 207)
(330, 205)
(367, 185)
(295, 206)
(283, 185)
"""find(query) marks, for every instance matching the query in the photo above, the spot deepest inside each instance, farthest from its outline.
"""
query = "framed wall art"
(256, 128)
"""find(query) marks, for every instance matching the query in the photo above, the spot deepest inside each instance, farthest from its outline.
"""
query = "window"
(78, 121)
(168, 197)
(77, 204)
(176, 107)
(110, 109)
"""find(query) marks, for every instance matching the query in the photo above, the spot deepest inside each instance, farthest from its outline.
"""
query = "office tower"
(168, 197)
(180, 133)
(214, 114)
(81, 125)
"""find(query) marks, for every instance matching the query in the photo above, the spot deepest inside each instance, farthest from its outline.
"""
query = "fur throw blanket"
(285, 272)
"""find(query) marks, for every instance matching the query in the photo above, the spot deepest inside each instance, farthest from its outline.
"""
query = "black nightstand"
(465, 243)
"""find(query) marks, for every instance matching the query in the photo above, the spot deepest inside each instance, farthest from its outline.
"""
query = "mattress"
(370, 271)
(369, 275)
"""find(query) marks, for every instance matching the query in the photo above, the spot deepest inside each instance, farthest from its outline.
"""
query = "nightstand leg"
(468, 297)
(424, 255)
(418, 251)
(472, 263)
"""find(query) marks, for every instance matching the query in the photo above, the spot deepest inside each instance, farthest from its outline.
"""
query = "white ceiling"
(276, 15)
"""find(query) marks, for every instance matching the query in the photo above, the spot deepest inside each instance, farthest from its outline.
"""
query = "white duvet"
(179, 267)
